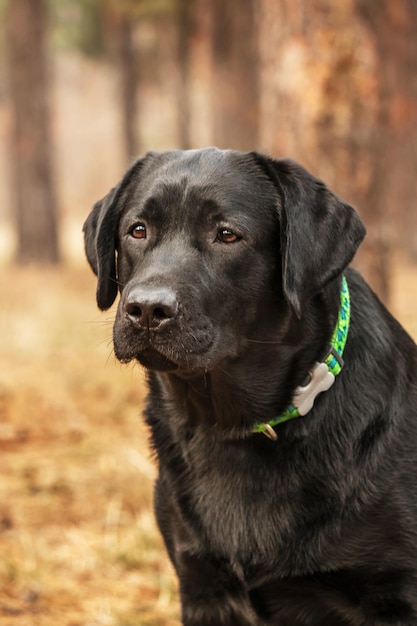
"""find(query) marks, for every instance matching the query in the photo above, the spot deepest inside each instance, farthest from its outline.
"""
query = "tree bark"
(31, 151)
(119, 38)
(128, 79)
(184, 31)
(236, 74)
(392, 25)
(325, 103)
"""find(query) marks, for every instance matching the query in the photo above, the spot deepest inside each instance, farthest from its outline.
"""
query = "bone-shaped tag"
(321, 380)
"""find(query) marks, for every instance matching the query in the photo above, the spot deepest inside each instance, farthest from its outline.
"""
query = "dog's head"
(209, 246)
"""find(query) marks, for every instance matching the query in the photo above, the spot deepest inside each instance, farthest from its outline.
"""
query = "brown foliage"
(78, 542)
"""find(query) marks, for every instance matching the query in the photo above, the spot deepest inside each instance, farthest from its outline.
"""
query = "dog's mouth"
(169, 348)
(154, 360)
(167, 358)
(174, 348)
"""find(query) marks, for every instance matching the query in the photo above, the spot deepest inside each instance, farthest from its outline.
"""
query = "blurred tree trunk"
(392, 192)
(119, 37)
(236, 74)
(325, 102)
(129, 83)
(31, 154)
(184, 33)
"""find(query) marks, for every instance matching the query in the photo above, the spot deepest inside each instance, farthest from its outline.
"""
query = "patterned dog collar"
(322, 375)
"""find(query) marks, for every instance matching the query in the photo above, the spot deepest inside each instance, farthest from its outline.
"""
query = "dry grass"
(78, 542)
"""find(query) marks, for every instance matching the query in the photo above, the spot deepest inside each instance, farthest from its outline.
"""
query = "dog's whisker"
(117, 282)
(106, 341)
(103, 324)
(111, 354)
(100, 322)
(267, 342)
(225, 372)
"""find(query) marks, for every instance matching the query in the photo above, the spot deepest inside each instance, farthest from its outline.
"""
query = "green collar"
(322, 375)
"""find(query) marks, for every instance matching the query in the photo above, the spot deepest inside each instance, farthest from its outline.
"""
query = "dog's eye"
(138, 231)
(225, 235)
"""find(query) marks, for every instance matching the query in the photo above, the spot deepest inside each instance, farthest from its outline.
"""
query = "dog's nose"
(150, 307)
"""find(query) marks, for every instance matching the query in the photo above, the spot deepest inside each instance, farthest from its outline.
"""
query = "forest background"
(85, 87)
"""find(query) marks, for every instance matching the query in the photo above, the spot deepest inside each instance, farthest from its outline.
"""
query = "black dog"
(236, 297)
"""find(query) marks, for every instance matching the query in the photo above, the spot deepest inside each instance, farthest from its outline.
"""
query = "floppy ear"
(100, 247)
(100, 230)
(319, 232)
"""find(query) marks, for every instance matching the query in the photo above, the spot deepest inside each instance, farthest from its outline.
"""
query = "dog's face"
(197, 237)
(209, 248)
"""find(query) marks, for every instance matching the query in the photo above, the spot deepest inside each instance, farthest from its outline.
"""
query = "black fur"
(228, 297)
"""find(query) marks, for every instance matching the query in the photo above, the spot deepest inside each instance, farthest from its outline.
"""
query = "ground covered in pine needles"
(78, 541)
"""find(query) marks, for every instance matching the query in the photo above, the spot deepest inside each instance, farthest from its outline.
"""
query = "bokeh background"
(85, 87)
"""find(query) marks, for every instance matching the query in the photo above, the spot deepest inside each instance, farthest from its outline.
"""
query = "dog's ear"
(100, 247)
(319, 232)
(100, 229)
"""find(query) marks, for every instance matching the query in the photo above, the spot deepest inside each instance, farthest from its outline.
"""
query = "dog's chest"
(245, 515)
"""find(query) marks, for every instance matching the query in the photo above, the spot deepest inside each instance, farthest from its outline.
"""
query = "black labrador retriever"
(283, 395)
